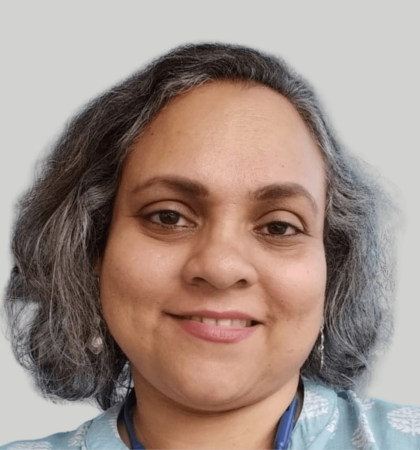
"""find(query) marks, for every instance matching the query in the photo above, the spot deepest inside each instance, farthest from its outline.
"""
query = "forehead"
(229, 137)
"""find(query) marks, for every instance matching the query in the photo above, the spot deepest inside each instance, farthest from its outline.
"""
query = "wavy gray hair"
(52, 299)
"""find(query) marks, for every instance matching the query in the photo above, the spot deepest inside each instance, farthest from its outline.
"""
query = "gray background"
(362, 57)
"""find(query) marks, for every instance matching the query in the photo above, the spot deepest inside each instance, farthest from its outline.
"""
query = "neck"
(244, 427)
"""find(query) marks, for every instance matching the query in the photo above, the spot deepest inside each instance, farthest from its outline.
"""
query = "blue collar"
(281, 441)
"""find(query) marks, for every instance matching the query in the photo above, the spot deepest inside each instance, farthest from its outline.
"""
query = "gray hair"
(52, 299)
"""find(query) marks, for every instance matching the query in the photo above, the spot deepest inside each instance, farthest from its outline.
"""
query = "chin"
(212, 400)
(206, 392)
(195, 390)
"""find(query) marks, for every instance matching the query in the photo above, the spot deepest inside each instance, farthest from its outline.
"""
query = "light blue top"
(330, 420)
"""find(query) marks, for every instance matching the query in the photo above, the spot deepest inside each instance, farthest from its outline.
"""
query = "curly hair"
(52, 299)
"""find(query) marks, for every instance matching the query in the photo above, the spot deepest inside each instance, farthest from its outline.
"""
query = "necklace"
(281, 441)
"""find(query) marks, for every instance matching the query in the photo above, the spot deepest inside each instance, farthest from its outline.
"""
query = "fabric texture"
(330, 419)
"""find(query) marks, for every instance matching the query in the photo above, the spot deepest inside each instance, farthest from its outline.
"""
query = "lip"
(217, 314)
(213, 333)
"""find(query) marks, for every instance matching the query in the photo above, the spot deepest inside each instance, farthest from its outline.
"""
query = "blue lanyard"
(281, 441)
(285, 428)
(128, 406)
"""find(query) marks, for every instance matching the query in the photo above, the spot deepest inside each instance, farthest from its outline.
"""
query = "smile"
(220, 322)
(220, 330)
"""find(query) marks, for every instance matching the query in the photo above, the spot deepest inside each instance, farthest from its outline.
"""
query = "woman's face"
(219, 214)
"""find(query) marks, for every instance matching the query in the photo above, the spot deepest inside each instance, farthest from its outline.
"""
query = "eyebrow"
(179, 184)
(184, 185)
(277, 191)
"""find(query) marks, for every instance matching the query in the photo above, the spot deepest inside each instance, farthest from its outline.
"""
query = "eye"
(279, 229)
(168, 218)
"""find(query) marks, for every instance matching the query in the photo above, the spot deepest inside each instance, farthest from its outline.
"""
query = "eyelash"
(174, 226)
(282, 222)
(154, 213)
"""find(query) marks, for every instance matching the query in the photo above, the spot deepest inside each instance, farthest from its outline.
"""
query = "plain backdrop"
(362, 58)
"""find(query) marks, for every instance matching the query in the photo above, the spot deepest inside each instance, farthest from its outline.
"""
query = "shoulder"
(390, 425)
(387, 424)
(335, 419)
(99, 433)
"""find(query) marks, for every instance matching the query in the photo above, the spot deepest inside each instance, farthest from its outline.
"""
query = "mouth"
(224, 330)
(244, 323)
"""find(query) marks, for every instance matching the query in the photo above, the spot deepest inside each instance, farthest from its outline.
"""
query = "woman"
(198, 233)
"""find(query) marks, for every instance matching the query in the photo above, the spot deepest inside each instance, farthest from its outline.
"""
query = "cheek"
(134, 280)
(297, 287)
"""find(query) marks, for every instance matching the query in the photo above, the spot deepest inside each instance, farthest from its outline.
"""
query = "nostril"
(197, 282)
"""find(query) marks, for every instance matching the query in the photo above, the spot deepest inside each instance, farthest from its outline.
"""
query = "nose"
(220, 260)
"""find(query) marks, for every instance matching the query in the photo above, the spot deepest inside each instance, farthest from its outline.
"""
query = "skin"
(224, 251)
